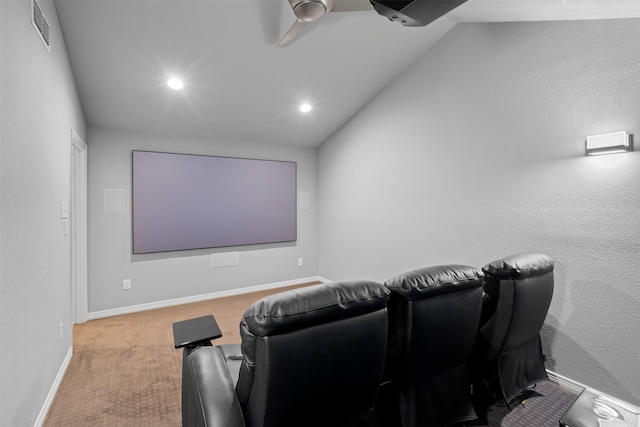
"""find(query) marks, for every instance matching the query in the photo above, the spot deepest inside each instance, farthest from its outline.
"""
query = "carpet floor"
(125, 371)
(543, 406)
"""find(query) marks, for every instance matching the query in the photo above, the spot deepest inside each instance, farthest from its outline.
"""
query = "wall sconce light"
(609, 143)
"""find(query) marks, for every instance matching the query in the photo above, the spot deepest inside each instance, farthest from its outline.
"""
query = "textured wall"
(171, 275)
(39, 108)
(477, 151)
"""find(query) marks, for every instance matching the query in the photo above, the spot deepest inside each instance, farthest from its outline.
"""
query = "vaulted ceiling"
(237, 84)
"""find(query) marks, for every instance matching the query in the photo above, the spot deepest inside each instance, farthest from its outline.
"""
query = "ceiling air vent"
(41, 24)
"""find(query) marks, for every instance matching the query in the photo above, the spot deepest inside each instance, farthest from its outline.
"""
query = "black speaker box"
(416, 13)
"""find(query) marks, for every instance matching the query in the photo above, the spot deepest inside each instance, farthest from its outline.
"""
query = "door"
(78, 217)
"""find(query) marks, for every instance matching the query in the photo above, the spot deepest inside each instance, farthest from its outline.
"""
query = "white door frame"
(78, 216)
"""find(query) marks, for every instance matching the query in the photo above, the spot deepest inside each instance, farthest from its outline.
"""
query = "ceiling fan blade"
(270, 17)
(351, 5)
(293, 33)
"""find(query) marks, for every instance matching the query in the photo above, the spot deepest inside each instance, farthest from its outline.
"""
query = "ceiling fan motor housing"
(310, 10)
(414, 13)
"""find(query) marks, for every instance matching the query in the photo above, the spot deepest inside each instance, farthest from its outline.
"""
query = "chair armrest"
(209, 396)
(232, 354)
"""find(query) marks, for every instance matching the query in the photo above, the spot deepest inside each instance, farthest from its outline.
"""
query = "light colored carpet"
(125, 371)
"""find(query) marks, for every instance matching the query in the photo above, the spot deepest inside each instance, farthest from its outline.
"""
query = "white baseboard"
(197, 298)
(574, 386)
(579, 387)
(54, 389)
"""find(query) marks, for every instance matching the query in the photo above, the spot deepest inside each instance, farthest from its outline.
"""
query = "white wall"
(39, 108)
(173, 275)
(477, 152)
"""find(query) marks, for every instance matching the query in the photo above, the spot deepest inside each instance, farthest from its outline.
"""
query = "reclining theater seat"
(518, 291)
(433, 320)
(311, 356)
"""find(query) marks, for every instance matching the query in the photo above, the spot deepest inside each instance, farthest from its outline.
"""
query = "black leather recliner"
(312, 356)
(433, 320)
(508, 355)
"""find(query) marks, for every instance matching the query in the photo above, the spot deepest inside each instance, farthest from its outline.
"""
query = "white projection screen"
(185, 201)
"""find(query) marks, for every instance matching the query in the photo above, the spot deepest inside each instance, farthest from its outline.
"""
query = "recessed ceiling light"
(175, 83)
(305, 108)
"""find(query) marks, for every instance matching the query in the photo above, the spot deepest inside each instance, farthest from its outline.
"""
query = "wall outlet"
(300, 262)
(61, 328)
(126, 284)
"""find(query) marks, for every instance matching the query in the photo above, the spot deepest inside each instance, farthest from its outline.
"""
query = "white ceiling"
(238, 85)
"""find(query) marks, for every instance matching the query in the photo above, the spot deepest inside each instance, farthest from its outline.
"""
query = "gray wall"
(477, 152)
(172, 275)
(38, 109)
(474, 153)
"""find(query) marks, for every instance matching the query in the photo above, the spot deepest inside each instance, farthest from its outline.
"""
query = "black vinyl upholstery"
(313, 356)
(434, 314)
(518, 292)
(208, 390)
(361, 353)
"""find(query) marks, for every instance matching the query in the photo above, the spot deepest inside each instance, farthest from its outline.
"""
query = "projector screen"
(184, 201)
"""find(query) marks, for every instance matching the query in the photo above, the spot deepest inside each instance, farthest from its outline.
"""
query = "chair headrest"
(519, 266)
(313, 305)
(431, 281)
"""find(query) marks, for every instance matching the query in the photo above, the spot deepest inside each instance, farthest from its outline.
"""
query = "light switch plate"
(64, 210)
